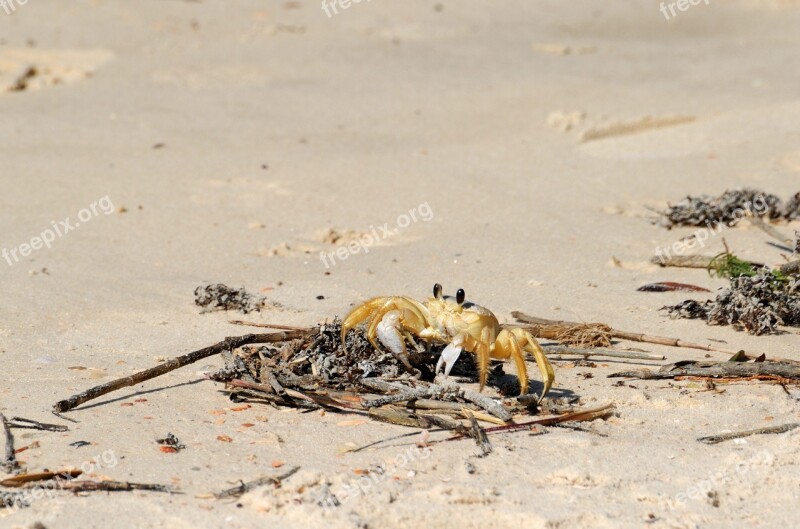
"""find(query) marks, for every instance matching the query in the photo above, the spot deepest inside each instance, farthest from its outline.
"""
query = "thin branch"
(114, 486)
(683, 261)
(714, 439)
(577, 351)
(20, 422)
(785, 370)
(623, 335)
(228, 344)
(575, 416)
(270, 326)
(10, 462)
(238, 490)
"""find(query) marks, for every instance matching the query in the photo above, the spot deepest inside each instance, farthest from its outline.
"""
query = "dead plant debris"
(219, 297)
(728, 208)
(757, 304)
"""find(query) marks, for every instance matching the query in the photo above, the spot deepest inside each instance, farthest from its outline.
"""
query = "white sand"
(538, 133)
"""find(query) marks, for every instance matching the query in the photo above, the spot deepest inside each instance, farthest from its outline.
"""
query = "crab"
(456, 322)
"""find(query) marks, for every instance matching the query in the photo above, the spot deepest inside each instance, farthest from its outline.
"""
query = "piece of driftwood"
(243, 487)
(9, 463)
(438, 406)
(228, 344)
(492, 406)
(384, 386)
(577, 351)
(487, 403)
(479, 434)
(269, 326)
(683, 261)
(783, 428)
(783, 370)
(400, 417)
(22, 480)
(691, 261)
(534, 322)
(114, 486)
(407, 394)
(19, 422)
(589, 414)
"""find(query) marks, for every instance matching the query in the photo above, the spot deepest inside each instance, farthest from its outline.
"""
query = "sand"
(512, 149)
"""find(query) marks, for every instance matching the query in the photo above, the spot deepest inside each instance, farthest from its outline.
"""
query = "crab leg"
(359, 315)
(389, 319)
(529, 344)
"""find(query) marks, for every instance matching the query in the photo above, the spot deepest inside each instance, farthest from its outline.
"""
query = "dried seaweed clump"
(792, 209)
(757, 304)
(580, 335)
(728, 208)
(222, 297)
(321, 360)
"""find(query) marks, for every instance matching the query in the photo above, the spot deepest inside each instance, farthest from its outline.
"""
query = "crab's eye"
(437, 291)
(460, 296)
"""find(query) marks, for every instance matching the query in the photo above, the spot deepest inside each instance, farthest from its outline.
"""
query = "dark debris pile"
(792, 208)
(322, 360)
(757, 304)
(222, 297)
(729, 208)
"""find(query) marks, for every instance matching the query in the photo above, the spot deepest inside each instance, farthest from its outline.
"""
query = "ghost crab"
(460, 324)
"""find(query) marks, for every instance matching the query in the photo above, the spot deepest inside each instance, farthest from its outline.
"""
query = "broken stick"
(683, 261)
(714, 439)
(228, 344)
(10, 460)
(238, 490)
(577, 351)
(716, 370)
(533, 321)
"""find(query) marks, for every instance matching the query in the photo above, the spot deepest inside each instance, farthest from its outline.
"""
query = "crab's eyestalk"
(460, 296)
(437, 291)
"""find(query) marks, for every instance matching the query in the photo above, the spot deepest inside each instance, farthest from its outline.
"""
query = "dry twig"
(228, 344)
(243, 487)
(560, 349)
(714, 439)
(782, 370)
(535, 322)
(10, 460)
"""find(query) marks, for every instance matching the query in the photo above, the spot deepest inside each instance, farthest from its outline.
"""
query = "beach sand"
(232, 141)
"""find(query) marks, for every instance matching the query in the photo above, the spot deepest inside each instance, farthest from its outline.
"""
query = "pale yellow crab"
(460, 324)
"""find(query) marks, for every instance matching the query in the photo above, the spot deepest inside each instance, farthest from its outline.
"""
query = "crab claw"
(448, 357)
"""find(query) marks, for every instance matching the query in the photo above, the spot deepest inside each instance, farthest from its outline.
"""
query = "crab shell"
(460, 324)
